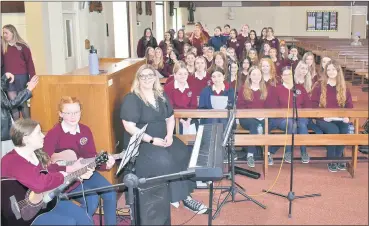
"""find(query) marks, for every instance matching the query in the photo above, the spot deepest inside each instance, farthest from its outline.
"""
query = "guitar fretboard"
(79, 172)
(88, 160)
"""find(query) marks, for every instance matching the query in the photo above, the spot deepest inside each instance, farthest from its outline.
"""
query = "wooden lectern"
(101, 96)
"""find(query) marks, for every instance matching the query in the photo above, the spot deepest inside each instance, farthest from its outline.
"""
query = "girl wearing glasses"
(161, 153)
(70, 134)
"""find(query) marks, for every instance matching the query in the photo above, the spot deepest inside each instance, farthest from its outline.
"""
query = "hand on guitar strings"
(110, 163)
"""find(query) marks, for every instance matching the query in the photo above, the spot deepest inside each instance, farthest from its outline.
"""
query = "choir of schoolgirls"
(259, 70)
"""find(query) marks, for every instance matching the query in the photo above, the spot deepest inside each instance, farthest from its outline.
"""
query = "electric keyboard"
(207, 152)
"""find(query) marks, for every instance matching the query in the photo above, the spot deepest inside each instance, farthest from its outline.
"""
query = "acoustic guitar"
(68, 157)
(31, 204)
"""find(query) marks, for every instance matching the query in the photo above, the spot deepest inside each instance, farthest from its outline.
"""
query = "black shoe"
(332, 167)
(341, 166)
(195, 206)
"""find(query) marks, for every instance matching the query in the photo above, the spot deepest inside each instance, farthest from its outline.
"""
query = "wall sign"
(322, 21)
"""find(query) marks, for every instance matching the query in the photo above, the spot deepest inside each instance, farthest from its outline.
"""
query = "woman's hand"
(32, 84)
(9, 76)
(168, 140)
(159, 142)
(110, 163)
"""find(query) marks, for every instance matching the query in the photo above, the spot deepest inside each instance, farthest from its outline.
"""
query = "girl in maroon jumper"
(150, 55)
(180, 94)
(263, 34)
(167, 41)
(186, 48)
(16, 58)
(303, 76)
(234, 43)
(309, 59)
(146, 41)
(209, 57)
(253, 55)
(194, 51)
(26, 162)
(323, 62)
(70, 134)
(190, 62)
(293, 57)
(201, 78)
(265, 48)
(169, 49)
(331, 92)
(221, 62)
(254, 40)
(246, 49)
(180, 41)
(168, 71)
(244, 70)
(158, 63)
(268, 72)
(278, 63)
(283, 51)
(253, 94)
(282, 98)
(198, 39)
(244, 34)
(273, 41)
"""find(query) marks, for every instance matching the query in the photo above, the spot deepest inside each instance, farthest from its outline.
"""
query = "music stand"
(131, 152)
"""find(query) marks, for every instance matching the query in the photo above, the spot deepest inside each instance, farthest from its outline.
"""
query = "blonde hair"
(312, 68)
(24, 127)
(247, 92)
(272, 71)
(157, 88)
(340, 86)
(160, 64)
(308, 80)
(17, 38)
(179, 65)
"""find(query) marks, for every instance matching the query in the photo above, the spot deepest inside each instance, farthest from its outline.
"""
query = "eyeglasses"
(72, 113)
(148, 76)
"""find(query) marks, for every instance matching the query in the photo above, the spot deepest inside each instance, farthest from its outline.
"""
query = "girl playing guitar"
(72, 135)
(25, 164)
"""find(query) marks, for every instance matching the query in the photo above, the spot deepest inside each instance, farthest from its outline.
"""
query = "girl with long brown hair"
(167, 41)
(331, 92)
(27, 162)
(16, 58)
(253, 95)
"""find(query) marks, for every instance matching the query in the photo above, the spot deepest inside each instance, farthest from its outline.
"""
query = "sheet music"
(219, 102)
(132, 148)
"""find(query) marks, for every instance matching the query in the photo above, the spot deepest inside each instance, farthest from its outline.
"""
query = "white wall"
(286, 21)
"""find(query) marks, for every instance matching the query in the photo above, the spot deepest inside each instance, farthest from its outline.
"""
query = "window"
(159, 18)
(175, 27)
(68, 28)
(121, 29)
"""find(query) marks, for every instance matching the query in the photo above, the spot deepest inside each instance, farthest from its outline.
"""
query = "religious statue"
(139, 7)
(96, 6)
(191, 13)
(148, 8)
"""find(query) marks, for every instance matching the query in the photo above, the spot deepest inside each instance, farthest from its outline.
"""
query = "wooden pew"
(242, 139)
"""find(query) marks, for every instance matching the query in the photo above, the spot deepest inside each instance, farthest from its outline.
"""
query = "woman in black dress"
(160, 152)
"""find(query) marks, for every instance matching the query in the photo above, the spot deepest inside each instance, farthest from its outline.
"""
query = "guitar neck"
(88, 160)
(79, 172)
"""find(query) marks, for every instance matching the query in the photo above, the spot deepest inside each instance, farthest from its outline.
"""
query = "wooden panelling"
(100, 95)
(12, 7)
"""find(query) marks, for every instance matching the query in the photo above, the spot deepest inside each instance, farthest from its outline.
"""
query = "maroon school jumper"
(18, 62)
(15, 166)
(281, 97)
(196, 42)
(236, 46)
(198, 85)
(181, 100)
(331, 97)
(255, 103)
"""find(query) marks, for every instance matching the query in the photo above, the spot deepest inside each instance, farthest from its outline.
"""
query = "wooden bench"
(277, 139)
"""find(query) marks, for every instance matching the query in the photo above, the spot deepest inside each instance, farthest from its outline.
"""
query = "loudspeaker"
(152, 205)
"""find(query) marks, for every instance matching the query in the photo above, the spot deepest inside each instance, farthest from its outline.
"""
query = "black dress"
(153, 160)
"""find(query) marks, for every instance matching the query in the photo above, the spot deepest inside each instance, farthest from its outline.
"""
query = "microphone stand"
(291, 194)
(229, 143)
